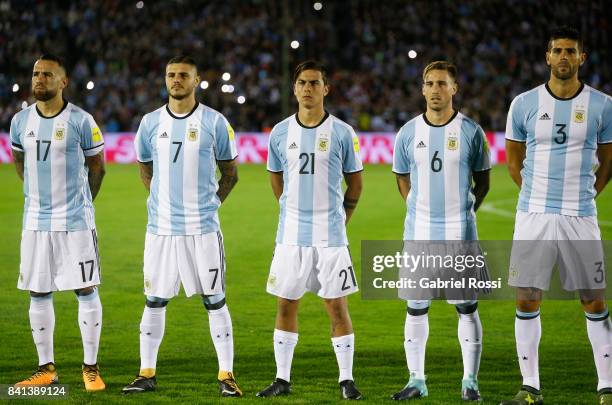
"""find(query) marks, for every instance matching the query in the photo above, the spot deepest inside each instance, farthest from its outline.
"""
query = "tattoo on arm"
(229, 177)
(95, 164)
(18, 158)
(354, 185)
(350, 203)
(481, 187)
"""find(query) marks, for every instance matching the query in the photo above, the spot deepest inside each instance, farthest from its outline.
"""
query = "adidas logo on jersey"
(164, 135)
(545, 117)
(30, 135)
(421, 145)
(293, 146)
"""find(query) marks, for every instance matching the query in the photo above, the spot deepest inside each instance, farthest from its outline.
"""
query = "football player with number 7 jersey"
(179, 147)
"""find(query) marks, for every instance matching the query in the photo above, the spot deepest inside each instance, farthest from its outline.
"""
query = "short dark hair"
(186, 59)
(310, 65)
(53, 58)
(441, 65)
(566, 32)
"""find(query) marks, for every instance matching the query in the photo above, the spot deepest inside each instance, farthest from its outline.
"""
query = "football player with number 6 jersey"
(441, 161)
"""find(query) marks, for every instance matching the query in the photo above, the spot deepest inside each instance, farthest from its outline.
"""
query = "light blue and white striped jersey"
(313, 161)
(184, 150)
(561, 137)
(57, 195)
(440, 160)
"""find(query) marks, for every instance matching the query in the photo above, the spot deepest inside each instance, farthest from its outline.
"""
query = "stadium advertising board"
(375, 147)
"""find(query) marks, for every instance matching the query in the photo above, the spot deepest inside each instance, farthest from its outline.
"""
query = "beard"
(177, 95)
(565, 74)
(44, 95)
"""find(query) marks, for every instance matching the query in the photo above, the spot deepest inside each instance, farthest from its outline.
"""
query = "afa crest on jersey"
(579, 116)
(59, 134)
(192, 134)
(323, 145)
(451, 143)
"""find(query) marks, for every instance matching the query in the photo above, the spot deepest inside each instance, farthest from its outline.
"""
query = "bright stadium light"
(203, 84)
(24, 105)
(224, 88)
(318, 6)
(90, 85)
(230, 88)
(295, 44)
(226, 76)
(241, 99)
(140, 4)
(412, 54)
(15, 88)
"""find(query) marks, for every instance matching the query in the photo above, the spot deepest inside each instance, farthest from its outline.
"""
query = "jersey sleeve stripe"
(93, 151)
(94, 147)
(17, 146)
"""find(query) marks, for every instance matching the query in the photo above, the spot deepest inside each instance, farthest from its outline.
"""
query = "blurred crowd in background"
(122, 47)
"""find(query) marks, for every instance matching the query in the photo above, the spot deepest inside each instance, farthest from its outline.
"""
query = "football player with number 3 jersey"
(179, 147)
(309, 155)
(559, 149)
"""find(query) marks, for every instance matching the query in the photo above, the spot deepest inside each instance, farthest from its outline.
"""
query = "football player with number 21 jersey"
(309, 155)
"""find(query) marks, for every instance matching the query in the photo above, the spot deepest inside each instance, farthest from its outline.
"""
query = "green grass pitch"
(187, 363)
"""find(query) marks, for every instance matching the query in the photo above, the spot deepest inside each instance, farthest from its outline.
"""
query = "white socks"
(42, 321)
(90, 323)
(284, 345)
(528, 331)
(599, 329)
(220, 324)
(469, 332)
(151, 334)
(344, 347)
(416, 332)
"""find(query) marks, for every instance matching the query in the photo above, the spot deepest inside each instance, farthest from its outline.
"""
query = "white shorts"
(325, 271)
(58, 261)
(542, 240)
(195, 261)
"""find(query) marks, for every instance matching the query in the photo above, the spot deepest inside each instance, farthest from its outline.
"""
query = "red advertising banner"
(375, 148)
